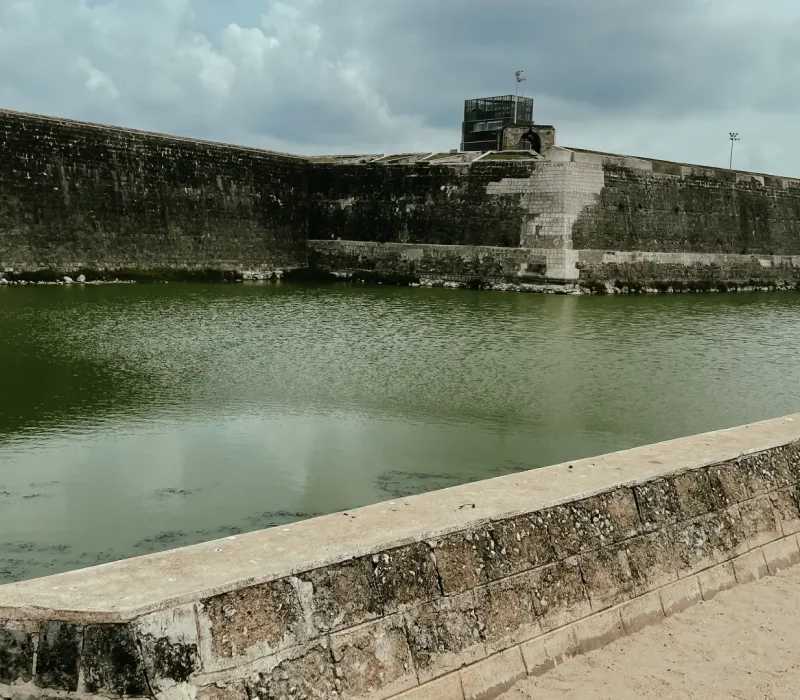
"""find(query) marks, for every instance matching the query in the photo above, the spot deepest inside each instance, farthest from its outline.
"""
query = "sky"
(666, 79)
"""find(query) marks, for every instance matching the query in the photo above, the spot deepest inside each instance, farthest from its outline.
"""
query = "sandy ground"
(745, 643)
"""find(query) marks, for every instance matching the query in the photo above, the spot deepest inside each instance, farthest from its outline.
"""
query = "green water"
(142, 417)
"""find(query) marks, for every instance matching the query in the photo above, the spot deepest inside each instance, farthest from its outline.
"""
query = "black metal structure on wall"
(485, 117)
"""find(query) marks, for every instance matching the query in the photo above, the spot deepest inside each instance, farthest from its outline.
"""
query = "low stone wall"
(420, 261)
(454, 594)
(714, 269)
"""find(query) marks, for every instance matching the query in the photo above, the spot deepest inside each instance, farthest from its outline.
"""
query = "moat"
(139, 418)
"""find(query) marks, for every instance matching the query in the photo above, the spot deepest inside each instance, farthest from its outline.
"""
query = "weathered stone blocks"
(16, 656)
(678, 205)
(170, 647)
(492, 676)
(786, 503)
(708, 540)
(405, 577)
(516, 545)
(305, 672)
(619, 572)
(75, 195)
(112, 663)
(374, 660)
(269, 617)
(343, 595)
(593, 522)
(58, 656)
(445, 635)
(459, 561)
(760, 521)
(507, 612)
(559, 596)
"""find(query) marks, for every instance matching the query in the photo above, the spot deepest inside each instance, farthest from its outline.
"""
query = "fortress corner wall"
(658, 223)
(594, 218)
(454, 594)
(84, 197)
(76, 195)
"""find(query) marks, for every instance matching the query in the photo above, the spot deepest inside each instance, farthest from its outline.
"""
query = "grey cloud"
(665, 79)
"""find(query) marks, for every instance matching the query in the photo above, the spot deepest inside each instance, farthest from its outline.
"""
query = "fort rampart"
(77, 196)
(455, 594)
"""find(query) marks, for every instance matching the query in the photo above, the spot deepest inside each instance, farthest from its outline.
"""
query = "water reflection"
(138, 418)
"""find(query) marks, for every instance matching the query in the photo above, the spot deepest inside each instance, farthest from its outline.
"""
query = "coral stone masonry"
(111, 203)
(456, 594)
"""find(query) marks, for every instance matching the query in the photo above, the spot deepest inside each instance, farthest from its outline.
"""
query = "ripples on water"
(138, 418)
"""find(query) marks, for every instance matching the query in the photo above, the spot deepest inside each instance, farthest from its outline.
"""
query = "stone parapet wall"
(454, 594)
(79, 196)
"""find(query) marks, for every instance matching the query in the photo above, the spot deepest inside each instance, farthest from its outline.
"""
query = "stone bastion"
(112, 203)
(450, 595)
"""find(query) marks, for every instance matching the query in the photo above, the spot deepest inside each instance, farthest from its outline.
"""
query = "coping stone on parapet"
(124, 590)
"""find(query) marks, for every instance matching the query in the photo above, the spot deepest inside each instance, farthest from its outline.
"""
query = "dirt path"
(743, 644)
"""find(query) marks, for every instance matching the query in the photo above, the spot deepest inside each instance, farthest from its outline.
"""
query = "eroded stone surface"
(459, 561)
(306, 674)
(765, 471)
(620, 572)
(559, 596)
(344, 595)
(759, 521)
(593, 522)
(786, 503)
(444, 635)
(516, 545)
(169, 646)
(728, 484)
(112, 663)
(405, 577)
(695, 495)
(506, 612)
(268, 616)
(16, 656)
(58, 655)
(658, 503)
(791, 454)
(374, 658)
(708, 540)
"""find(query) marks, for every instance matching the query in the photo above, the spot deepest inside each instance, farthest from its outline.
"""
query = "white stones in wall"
(555, 195)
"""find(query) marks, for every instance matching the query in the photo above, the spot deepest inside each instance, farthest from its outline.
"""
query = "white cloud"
(96, 80)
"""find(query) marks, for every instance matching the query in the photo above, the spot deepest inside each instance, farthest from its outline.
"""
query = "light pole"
(734, 137)
(520, 79)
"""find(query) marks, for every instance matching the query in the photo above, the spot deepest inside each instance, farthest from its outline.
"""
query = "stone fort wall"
(594, 218)
(75, 195)
(455, 594)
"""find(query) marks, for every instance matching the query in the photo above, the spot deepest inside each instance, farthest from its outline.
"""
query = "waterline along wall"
(454, 594)
(78, 196)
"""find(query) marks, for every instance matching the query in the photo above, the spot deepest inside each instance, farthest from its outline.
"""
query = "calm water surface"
(140, 418)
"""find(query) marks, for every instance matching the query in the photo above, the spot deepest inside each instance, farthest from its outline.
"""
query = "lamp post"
(734, 137)
(520, 79)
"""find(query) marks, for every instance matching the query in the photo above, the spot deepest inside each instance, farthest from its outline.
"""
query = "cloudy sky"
(666, 78)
